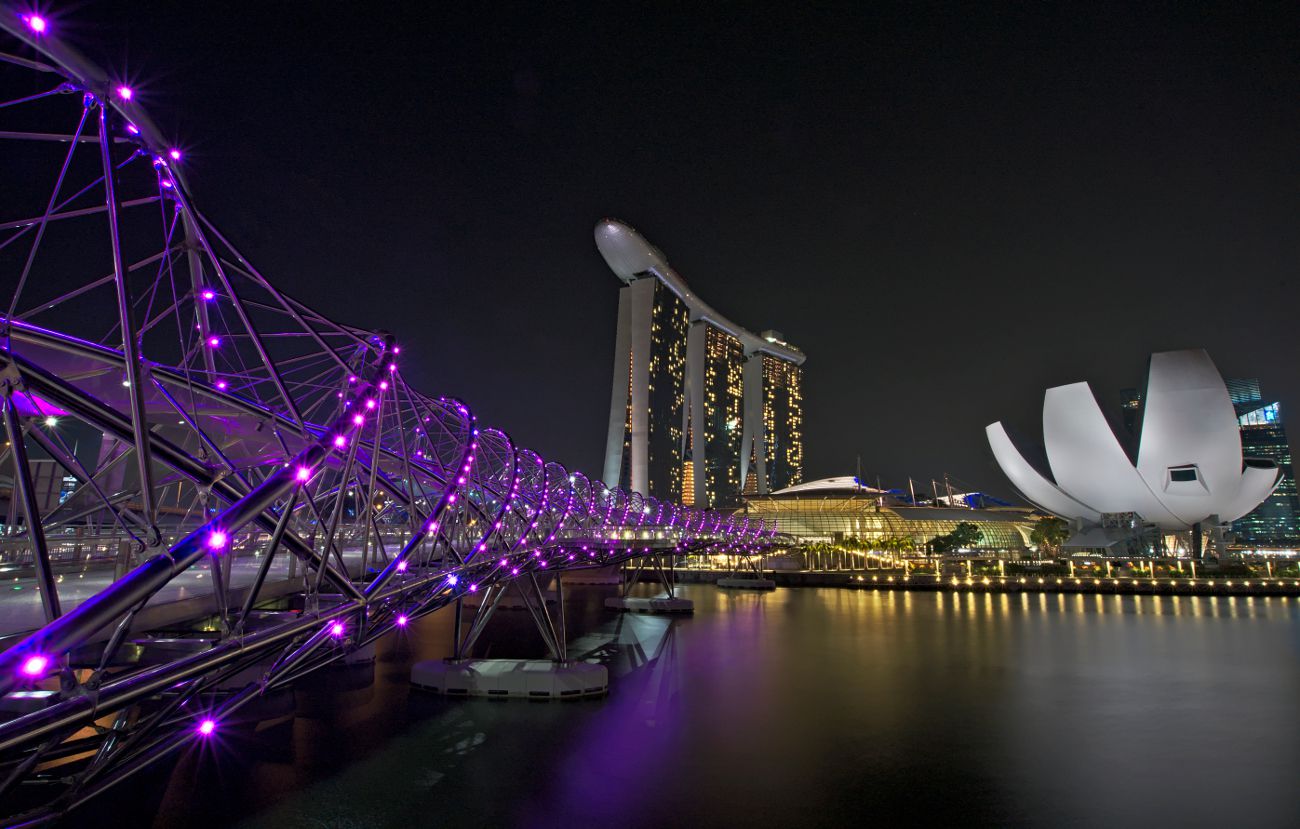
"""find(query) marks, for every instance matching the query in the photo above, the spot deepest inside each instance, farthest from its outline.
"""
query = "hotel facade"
(702, 411)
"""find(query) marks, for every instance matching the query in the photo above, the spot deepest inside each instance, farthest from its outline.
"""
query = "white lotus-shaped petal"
(1189, 464)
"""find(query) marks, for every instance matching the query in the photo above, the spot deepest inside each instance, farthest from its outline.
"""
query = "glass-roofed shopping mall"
(833, 509)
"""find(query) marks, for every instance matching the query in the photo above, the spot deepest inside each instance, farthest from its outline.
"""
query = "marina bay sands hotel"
(703, 411)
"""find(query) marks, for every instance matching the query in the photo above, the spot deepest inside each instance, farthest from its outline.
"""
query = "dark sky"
(947, 207)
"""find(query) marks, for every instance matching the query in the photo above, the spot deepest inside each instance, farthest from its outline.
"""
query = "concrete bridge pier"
(752, 578)
(554, 678)
(669, 603)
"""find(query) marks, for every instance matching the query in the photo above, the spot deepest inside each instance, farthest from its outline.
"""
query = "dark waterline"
(808, 707)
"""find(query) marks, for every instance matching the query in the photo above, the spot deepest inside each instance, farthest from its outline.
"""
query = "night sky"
(948, 208)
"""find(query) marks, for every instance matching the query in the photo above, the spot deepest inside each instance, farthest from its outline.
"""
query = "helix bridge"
(213, 488)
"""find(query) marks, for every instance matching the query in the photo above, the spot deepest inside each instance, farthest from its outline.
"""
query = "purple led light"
(473, 588)
(214, 342)
(34, 665)
(401, 620)
(36, 23)
(370, 403)
(208, 294)
(357, 419)
(452, 580)
(383, 384)
(133, 129)
(303, 475)
(514, 571)
(175, 154)
(336, 629)
(222, 384)
(401, 566)
(217, 540)
(125, 93)
(207, 727)
(340, 441)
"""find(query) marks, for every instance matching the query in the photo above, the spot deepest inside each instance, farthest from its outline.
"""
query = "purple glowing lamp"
(217, 540)
(336, 629)
(303, 475)
(39, 25)
(207, 727)
(34, 665)
(125, 93)
(402, 620)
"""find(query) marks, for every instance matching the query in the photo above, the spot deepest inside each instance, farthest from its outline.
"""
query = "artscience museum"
(1186, 476)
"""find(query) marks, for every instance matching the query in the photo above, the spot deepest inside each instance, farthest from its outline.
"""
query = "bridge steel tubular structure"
(216, 420)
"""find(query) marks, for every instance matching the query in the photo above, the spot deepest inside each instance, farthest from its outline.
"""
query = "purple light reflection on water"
(855, 690)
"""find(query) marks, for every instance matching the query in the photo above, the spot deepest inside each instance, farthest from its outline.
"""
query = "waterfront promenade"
(897, 579)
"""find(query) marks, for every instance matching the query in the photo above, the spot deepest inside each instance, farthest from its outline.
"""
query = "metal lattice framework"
(205, 444)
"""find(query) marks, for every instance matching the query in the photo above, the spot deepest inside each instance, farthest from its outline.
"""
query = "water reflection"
(810, 706)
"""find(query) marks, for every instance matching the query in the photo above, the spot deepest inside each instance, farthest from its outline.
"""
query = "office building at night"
(1272, 523)
(702, 410)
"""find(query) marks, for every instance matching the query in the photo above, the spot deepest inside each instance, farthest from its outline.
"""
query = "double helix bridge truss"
(213, 489)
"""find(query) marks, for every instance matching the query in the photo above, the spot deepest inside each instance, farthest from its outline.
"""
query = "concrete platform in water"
(662, 604)
(511, 678)
(747, 584)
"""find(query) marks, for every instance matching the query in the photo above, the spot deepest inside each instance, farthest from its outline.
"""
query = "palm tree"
(1049, 533)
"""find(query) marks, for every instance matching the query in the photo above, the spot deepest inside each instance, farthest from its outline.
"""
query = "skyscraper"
(701, 408)
(1273, 523)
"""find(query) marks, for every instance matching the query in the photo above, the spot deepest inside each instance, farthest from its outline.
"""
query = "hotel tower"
(702, 410)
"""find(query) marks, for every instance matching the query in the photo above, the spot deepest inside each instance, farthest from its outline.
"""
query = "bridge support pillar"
(554, 678)
(746, 575)
(667, 603)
